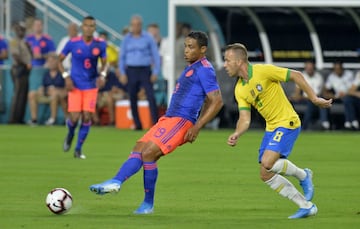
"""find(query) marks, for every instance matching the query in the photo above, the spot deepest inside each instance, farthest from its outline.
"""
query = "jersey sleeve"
(276, 73)
(67, 48)
(242, 104)
(103, 49)
(51, 46)
(208, 80)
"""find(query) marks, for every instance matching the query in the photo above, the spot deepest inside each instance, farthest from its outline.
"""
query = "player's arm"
(104, 68)
(66, 75)
(3, 54)
(353, 91)
(212, 105)
(242, 126)
(300, 81)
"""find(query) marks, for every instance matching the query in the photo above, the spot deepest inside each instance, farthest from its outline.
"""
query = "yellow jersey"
(264, 92)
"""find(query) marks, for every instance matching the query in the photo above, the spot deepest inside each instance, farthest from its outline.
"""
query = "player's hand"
(123, 79)
(100, 82)
(323, 103)
(69, 85)
(153, 78)
(191, 134)
(232, 140)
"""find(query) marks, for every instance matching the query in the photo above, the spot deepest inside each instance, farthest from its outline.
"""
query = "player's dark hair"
(200, 37)
(89, 17)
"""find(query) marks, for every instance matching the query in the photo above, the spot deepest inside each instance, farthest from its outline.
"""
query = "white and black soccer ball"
(59, 201)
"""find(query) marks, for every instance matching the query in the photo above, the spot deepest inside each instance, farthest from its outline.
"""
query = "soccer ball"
(59, 201)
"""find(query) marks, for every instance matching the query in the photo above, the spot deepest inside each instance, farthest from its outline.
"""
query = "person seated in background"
(107, 97)
(316, 82)
(52, 92)
(353, 101)
(337, 87)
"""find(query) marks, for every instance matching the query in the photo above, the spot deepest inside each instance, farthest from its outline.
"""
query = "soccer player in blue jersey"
(41, 46)
(83, 81)
(3, 50)
(259, 86)
(196, 89)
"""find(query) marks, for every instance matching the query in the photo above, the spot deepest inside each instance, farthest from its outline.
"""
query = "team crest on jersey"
(259, 87)
(189, 73)
(42, 44)
(95, 51)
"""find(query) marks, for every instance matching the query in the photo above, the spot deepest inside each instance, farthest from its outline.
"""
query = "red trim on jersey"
(78, 38)
(205, 63)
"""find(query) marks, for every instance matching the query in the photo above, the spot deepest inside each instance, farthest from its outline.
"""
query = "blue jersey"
(84, 60)
(57, 81)
(112, 81)
(190, 91)
(42, 46)
(3, 46)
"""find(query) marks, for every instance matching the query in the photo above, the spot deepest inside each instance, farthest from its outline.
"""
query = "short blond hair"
(239, 50)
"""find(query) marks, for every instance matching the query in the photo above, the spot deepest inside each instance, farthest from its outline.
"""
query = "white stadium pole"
(172, 4)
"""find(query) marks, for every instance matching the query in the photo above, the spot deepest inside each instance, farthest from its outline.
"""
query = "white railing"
(99, 23)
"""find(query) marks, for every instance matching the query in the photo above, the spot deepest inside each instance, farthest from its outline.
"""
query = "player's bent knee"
(267, 165)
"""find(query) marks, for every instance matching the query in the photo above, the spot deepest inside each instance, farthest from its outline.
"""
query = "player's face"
(38, 27)
(136, 25)
(88, 27)
(192, 51)
(231, 63)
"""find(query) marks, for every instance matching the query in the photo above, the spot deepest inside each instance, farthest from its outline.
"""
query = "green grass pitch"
(206, 184)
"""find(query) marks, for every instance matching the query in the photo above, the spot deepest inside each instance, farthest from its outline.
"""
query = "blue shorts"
(281, 140)
(36, 78)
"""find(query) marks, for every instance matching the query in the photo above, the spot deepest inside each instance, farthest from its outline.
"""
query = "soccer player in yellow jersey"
(259, 86)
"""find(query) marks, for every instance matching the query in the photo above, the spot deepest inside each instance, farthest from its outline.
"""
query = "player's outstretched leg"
(286, 167)
(150, 177)
(307, 185)
(109, 186)
(129, 168)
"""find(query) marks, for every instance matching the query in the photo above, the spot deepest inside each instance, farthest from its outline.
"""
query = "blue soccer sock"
(130, 167)
(71, 127)
(150, 177)
(83, 132)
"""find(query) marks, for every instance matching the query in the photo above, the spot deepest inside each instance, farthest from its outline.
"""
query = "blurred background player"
(83, 81)
(196, 90)
(41, 45)
(52, 92)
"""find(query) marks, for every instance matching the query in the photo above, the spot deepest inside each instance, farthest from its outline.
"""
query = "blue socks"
(150, 177)
(71, 126)
(130, 167)
(83, 132)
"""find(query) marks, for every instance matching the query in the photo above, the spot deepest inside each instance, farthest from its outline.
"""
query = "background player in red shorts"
(196, 89)
(83, 81)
